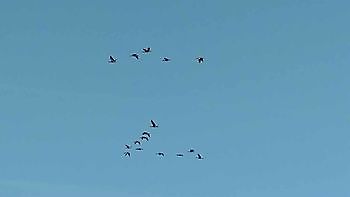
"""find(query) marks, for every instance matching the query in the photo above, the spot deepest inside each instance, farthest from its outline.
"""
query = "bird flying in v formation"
(146, 133)
(135, 55)
(146, 50)
(112, 59)
(146, 136)
(153, 124)
(165, 59)
(200, 59)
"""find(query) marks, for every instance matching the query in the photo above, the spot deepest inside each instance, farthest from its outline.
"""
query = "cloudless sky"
(268, 109)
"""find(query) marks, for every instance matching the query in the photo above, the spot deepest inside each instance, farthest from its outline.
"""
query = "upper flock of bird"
(145, 51)
(145, 137)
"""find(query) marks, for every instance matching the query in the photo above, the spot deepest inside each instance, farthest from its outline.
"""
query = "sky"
(268, 109)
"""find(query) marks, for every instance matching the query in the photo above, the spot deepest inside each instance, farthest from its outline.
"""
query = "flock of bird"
(145, 136)
(148, 50)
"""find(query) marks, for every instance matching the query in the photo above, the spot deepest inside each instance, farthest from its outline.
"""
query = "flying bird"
(127, 146)
(146, 50)
(153, 124)
(200, 59)
(165, 59)
(199, 156)
(137, 142)
(191, 150)
(127, 154)
(160, 154)
(135, 55)
(138, 149)
(112, 60)
(144, 138)
(146, 133)
(179, 155)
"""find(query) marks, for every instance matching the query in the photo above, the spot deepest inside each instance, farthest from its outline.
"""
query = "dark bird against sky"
(146, 50)
(191, 150)
(200, 59)
(127, 154)
(165, 59)
(144, 138)
(135, 55)
(112, 60)
(199, 156)
(153, 124)
(146, 133)
(160, 154)
(127, 146)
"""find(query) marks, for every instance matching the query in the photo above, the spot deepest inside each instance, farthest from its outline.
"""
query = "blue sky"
(268, 109)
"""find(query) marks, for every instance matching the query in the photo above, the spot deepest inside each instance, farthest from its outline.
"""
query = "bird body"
(179, 155)
(127, 154)
(112, 60)
(199, 156)
(127, 146)
(153, 124)
(200, 59)
(146, 133)
(146, 50)
(160, 154)
(139, 149)
(144, 138)
(135, 55)
(165, 59)
(137, 142)
(191, 150)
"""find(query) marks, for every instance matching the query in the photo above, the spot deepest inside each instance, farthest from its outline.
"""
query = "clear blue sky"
(269, 109)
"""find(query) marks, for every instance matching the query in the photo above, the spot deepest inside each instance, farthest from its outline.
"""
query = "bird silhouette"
(144, 138)
(127, 154)
(112, 60)
(127, 146)
(146, 133)
(153, 124)
(200, 59)
(146, 50)
(160, 154)
(135, 55)
(139, 149)
(179, 155)
(199, 156)
(137, 142)
(165, 59)
(191, 150)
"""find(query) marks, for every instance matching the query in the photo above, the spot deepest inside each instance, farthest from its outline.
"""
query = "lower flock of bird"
(145, 51)
(145, 136)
